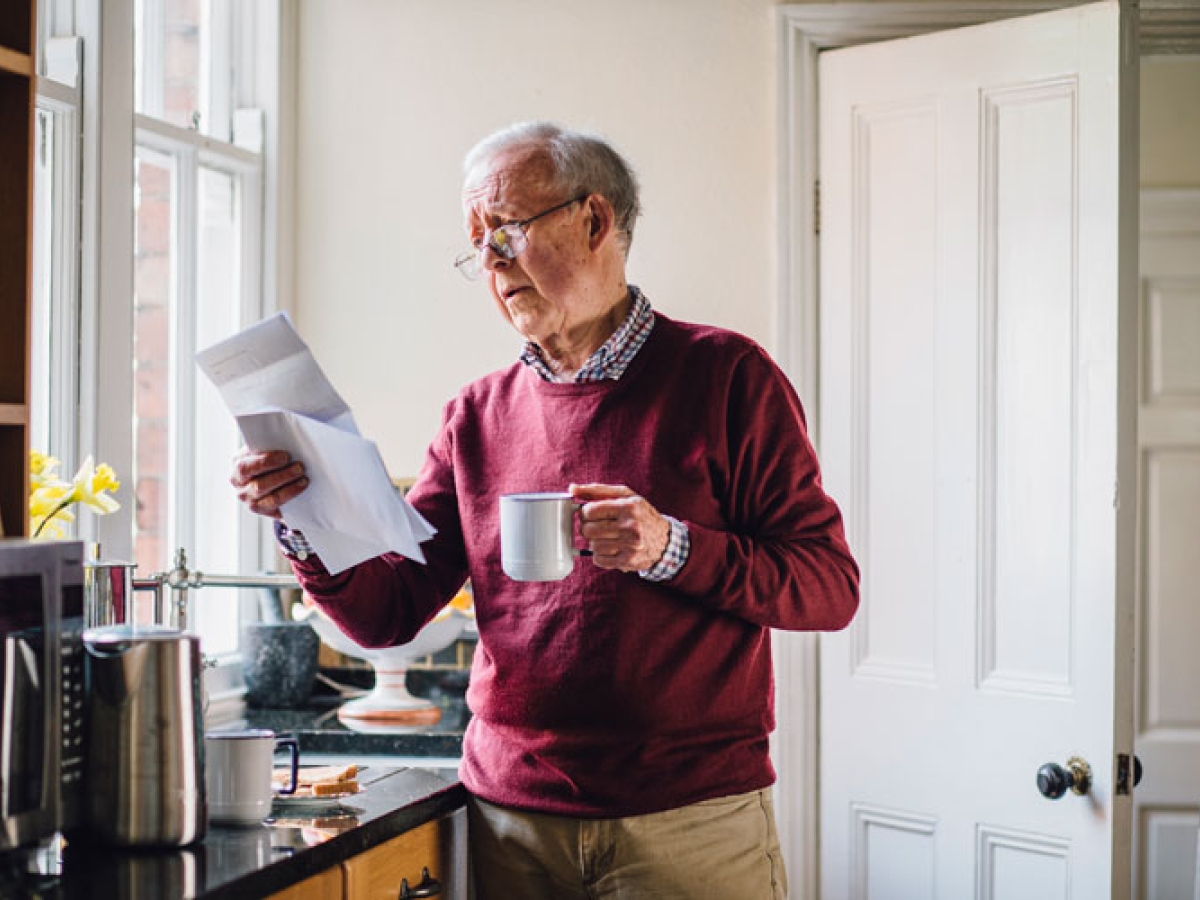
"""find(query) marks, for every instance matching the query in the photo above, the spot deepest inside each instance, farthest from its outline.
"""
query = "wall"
(1170, 98)
(390, 96)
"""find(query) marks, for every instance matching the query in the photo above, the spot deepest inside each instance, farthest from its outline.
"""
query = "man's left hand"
(622, 529)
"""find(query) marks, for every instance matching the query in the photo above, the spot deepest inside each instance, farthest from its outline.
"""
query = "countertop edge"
(285, 872)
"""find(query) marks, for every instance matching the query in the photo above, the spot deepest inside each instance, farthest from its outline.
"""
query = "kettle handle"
(110, 651)
(292, 746)
(117, 680)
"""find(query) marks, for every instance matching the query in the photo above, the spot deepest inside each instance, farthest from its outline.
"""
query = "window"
(114, 372)
(55, 270)
(195, 281)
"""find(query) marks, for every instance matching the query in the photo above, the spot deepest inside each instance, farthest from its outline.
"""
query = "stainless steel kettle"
(145, 758)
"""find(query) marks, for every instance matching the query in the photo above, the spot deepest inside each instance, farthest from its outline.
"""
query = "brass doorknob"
(1053, 781)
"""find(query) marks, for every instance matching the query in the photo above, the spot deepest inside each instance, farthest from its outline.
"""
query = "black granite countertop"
(318, 730)
(252, 861)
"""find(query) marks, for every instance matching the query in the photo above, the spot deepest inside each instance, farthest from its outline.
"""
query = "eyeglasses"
(507, 241)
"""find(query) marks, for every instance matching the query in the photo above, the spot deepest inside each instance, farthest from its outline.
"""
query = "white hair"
(581, 163)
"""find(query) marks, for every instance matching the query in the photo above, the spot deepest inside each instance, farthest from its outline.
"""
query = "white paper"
(282, 400)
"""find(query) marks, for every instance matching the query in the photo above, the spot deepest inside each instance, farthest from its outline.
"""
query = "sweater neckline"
(607, 385)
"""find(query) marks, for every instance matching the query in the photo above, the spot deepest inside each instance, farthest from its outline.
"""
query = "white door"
(977, 402)
(1168, 720)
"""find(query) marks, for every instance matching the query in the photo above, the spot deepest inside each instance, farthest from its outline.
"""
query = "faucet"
(180, 580)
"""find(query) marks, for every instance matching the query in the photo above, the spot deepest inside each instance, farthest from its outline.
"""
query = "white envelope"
(281, 400)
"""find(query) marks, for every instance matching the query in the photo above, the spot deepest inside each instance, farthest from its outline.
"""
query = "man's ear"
(602, 221)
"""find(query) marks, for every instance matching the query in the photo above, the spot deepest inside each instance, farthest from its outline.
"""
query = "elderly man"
(619, 739)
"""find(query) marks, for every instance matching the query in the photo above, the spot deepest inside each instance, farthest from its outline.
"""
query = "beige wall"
(1170, 122)
(390, 96)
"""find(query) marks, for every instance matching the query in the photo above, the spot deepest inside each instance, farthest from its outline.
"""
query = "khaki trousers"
(724, 848)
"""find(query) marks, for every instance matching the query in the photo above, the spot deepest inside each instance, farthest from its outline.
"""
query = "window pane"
(43, 208)
(54, 288)
(153, 302)
(218, 296)
(171, 39)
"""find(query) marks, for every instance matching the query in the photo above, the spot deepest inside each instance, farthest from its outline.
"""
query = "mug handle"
(579, 551)
(293, 749)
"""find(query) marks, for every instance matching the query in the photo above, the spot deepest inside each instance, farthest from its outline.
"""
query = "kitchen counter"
(253, 861)
(319, 731)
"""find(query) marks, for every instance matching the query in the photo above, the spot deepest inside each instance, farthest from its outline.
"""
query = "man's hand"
(266, 481)
(622, 529)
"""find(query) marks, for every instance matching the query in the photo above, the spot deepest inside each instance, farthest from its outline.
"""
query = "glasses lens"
(507, 241)
(468, 265)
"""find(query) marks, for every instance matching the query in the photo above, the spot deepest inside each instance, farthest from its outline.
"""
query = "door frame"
(803, 31)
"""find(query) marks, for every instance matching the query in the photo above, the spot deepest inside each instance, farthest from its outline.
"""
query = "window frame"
(190, 151)
(57, 383)
(92, 404)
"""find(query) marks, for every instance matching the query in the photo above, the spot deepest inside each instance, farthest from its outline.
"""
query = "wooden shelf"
(13, 414)
(17, 50)
(14, 485)
(17, 27)
(16, 62)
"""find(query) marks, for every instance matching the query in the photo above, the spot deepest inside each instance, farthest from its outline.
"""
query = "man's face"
(548, 291)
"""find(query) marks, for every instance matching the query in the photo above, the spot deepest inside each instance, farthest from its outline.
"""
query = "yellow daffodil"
(47, 499)
(42, 469)
(50, 497)
(91, 483)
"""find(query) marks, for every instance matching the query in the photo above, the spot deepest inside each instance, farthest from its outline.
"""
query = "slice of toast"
(325, 774)
(319, 780)
(324, 788)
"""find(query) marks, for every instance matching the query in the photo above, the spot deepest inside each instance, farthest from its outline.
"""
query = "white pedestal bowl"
(389, 705)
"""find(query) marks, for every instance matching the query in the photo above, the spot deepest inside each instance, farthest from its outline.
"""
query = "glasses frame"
(512, 244)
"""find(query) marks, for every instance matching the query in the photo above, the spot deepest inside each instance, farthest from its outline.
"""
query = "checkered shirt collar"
(614, 356)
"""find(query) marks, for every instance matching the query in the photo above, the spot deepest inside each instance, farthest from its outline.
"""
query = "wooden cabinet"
(17, 94)
(378, 873)
(325, 885)
(428, 850)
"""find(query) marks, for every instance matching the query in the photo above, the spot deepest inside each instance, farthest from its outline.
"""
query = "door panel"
(895, 637)
(1028, 372)
(976, 413)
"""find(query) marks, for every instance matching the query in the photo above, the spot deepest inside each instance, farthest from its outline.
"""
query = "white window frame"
(190, 151)
(221, 99)
(61, 102)
(95, 119)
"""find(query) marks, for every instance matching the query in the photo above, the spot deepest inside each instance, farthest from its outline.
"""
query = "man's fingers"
(266, 481)
(614, 527)
(249, 466)
(271, 512)
(586, 492)
(269, 504)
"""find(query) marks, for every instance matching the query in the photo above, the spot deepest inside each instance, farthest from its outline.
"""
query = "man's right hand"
(266, 481)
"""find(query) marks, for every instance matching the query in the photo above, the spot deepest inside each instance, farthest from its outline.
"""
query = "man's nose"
(491, 260)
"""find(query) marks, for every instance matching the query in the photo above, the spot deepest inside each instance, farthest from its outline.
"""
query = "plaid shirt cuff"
(295, 545)
(673, 558)
(292, 542)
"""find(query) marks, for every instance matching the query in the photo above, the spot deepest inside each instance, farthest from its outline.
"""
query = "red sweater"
(605, 694)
